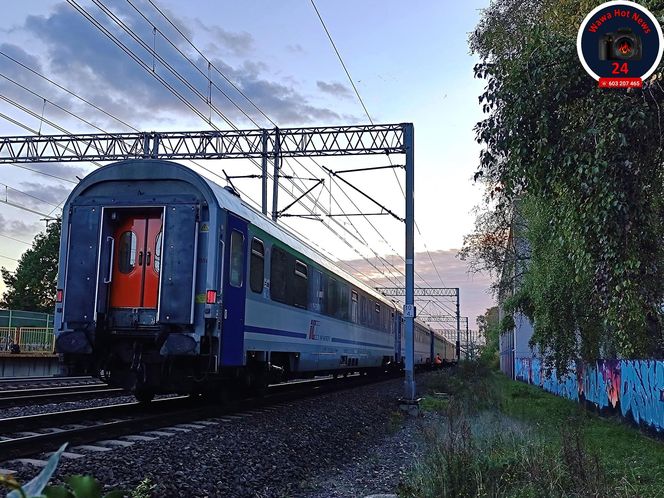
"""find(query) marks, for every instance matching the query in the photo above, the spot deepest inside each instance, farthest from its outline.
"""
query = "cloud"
(474, 288)
(68, 171)
(295, 48)
(236, 43)
(44, 196)
(19, 229)
(334, 88)
(77, 52)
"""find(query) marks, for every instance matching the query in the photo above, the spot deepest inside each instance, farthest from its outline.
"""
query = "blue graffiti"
(634, 387)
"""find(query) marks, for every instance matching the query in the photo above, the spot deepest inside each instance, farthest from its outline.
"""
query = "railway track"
(60, 394)
(21, 437)
(8, 383)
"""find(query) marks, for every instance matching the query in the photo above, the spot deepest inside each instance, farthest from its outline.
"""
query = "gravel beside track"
(298, 449)
(11, 383)
(19, 411)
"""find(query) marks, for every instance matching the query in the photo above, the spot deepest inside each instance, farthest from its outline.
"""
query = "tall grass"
(475, 450)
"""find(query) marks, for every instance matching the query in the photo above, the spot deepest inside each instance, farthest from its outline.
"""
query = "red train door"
(137, 262)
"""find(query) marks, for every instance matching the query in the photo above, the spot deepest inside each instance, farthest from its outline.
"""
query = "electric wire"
(150, 49)
(363, 241)
(130, 53)
(15, 239)
(359, 97)
(9, 187)
(73, 94)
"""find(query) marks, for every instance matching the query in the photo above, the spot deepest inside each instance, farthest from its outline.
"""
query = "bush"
(476, 450)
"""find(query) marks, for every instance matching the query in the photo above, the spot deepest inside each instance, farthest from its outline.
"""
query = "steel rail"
(140, 418)
(58, 395)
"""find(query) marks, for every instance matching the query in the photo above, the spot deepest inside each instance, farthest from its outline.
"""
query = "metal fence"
(20, 318)
(28, 339)
(7, 338)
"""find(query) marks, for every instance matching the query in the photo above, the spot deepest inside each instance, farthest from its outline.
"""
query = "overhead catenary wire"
(366, 111)
(315, 203)
(15, 239)
(32, 196)
(210, 64)
(126, 124)
(173, 90)
(98, 108)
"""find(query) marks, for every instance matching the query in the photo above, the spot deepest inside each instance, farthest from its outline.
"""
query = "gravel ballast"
(38, 409)
(345, 444)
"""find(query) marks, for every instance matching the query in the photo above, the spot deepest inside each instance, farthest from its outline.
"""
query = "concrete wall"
(513, 344)
(27, 365)
(633, 389)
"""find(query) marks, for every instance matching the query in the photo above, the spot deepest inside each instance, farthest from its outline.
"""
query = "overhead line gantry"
(266, 144)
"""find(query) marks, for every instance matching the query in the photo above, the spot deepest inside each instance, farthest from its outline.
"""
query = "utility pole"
(264, 173)
(458, 324)
(275, 179)
(409, 308)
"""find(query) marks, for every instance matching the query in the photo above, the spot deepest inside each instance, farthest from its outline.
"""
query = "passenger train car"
(171, 283)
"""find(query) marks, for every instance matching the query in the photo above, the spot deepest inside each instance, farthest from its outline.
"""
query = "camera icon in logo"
(621, 45)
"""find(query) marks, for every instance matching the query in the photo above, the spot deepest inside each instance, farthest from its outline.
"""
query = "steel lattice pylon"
(232, 144)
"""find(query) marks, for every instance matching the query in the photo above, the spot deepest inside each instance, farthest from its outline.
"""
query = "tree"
(487, 325)
(32, 286)
(585, 167)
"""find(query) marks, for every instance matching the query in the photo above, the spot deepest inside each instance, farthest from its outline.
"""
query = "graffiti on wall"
(633, 388)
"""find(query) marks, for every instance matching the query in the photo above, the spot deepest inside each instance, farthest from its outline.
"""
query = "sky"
(409, 61)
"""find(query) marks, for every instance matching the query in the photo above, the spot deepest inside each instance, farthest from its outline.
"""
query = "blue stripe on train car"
(284, 333)
(301, 335)
(360, 343)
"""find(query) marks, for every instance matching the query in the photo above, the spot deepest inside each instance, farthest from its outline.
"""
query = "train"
(170, 283)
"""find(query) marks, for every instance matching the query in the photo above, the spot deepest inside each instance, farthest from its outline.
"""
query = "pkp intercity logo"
(620, 44)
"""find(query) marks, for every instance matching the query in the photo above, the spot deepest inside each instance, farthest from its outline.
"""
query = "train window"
(353, 306)
(127, 252)
(300, 285)
(157, 252)
(300, 269)
(257, 267)
(363, 310)
(278, 275)
(235, 274)
(332, 297)
(342, 311)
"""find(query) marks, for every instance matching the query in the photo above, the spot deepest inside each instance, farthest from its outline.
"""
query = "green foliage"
(80, 487)
(144, 489)
(489, 326)
(76, 486)
(582, 167)
(36, 486)
(630, 459)
(32, 286)
(527, 443)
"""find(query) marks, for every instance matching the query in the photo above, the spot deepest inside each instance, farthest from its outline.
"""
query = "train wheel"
(259, 383)
(220, 395)
(144, 396)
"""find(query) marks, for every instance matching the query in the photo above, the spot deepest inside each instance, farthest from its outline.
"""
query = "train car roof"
(241, 208)
(147, 169)
(237, 205)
